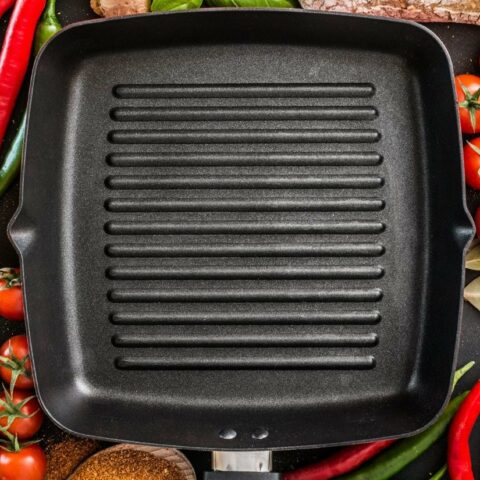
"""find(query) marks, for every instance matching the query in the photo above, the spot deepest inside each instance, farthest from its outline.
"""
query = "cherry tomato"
(11, 301)
(23, 427)
(15, 351)
(471, 157)
(477, 222)
(29, 463)
(468, 93)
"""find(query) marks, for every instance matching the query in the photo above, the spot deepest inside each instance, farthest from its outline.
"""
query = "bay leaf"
(472, 260)
(472, 293)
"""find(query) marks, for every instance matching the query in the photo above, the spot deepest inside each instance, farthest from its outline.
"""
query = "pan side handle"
(21, 231)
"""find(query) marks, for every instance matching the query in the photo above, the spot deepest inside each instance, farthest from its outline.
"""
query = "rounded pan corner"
(82, 403)
(428, 33)
(431, 415)
(47, 47)
(51, 409)
(49, 41)
(83, 428)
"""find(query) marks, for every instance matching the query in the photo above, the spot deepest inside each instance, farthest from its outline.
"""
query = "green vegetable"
(12, 158)
(158, 5)
(402, 453)
(461, 372)
(253, 3)
(440, 474)
(48, 26)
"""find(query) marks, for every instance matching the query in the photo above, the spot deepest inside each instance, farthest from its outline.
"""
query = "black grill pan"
(243, 229)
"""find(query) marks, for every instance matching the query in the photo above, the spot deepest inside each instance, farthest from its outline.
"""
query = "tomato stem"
(11, 277)
(17, 366)
(471, 103)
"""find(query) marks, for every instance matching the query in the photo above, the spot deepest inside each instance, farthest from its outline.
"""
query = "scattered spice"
(65, 456)
(125, 464)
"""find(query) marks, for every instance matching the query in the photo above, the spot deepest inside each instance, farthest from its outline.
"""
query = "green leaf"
(13, 380)
(474, 147)
(476, 95)
(472, 260)
(473, 119)
(163, 5)
(10, 420)
(472, 293)
(253, 3)
(465, 91)
(21, 404)
(440, 474)
(6, 362)
(30, 442)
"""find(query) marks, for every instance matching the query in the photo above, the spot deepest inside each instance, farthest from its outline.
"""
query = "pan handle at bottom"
(246, 465)
(232, 475)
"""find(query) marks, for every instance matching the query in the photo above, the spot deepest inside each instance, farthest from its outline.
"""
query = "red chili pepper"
(15, 55)
(341, 462)
(5, 5)
(459, 459)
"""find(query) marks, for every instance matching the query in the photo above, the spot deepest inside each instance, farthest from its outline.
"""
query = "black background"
(463, 43)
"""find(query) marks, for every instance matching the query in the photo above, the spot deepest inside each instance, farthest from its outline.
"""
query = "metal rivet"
(260, 433)
(227, 434)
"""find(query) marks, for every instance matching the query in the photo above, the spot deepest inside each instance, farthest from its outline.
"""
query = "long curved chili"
(387, 463)
(459, 458)
(15, 55)
(341, 462)
(5, 5)
(12, 158)
(396, 458)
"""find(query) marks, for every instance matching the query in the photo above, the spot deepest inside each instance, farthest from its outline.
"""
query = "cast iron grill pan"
(250, 222)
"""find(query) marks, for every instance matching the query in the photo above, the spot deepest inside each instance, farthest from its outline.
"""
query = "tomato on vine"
(11, 299)
(23, 462)
(471, 157)
(15, 365)
(468, 96)
(20, 414)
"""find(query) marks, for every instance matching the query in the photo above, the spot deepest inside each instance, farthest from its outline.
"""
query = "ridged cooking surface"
(251, 221)
(212, 249)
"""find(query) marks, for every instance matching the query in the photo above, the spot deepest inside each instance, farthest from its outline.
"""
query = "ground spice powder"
(64, 456)
(127, 465)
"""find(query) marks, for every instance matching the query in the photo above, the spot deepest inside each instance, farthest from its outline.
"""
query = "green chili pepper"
(48, 25)
(397, 457)
(12, 158)
(440, 474)
(253, 3)
(158, 5)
